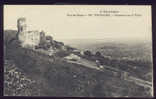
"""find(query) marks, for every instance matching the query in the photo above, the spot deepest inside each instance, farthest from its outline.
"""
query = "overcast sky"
(54, 21)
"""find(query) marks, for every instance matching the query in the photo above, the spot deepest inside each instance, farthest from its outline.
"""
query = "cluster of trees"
(94, 57)
(89, 53)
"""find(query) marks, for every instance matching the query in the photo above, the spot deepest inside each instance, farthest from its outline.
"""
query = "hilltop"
(55, 76)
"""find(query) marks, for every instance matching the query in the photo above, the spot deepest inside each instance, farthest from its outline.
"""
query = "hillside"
(53, 76)
(132, 56)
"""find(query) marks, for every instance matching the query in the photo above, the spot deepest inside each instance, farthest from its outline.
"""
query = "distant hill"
(118, 50)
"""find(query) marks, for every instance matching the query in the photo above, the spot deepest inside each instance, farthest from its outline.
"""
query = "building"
(27, 38)
(72, 56)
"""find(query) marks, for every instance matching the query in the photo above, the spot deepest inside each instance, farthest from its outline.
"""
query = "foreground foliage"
(17, 83)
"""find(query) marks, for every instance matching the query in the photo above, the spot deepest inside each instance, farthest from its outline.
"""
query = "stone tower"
(22, 29)
(21, 25)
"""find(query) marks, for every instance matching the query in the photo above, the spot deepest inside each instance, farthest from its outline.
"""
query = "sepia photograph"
(78, 50)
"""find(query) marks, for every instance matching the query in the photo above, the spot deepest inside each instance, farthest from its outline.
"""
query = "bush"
(88, 53)
(98, 54)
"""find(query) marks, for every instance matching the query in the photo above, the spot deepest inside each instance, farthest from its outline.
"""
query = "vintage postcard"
(78, 50)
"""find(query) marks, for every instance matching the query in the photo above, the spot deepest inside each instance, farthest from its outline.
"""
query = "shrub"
(98, 54)
(62, 53)
(88, 53)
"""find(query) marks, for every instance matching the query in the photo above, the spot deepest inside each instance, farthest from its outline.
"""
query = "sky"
(54, 21)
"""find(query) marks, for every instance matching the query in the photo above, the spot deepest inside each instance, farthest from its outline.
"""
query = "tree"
(88, 53)
(98, 54)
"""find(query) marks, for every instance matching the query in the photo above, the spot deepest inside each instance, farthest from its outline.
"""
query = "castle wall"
(22, 37)
(32, 38)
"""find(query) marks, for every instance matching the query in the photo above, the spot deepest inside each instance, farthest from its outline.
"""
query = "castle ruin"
(36, 40)
(27, 38)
